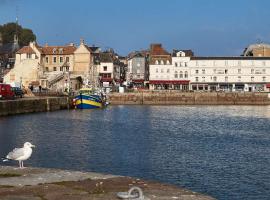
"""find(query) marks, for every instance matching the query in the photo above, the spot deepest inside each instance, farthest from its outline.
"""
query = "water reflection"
(219, 150)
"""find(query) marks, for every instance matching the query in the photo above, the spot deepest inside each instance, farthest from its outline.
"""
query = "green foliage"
(25, 35)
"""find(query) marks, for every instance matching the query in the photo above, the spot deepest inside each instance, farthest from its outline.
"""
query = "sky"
(208, 27)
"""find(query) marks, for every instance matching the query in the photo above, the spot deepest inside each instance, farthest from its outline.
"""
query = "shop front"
(182, 85)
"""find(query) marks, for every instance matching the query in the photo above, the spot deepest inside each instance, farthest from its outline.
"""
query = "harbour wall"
(189, 98)
(30, 105)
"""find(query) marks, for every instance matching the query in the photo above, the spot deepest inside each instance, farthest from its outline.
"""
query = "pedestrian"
(31, 88)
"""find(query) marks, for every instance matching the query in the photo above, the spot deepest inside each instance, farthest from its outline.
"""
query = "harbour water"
(223, 151)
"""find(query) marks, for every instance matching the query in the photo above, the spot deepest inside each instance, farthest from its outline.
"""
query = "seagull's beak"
(33, 146)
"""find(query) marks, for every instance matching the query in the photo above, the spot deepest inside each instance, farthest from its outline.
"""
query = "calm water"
(223, 151)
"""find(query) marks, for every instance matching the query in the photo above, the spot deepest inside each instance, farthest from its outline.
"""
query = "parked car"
(17, 91)
(6, 91)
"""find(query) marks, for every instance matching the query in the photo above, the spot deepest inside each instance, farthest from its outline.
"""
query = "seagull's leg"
(20, 164)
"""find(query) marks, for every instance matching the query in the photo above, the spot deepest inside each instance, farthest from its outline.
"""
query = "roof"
(93, 49)
(231, 58)
(157, 49)
(58, 50)
(26, 49)
(252, 47)
(9, 48)
(189, 52)
(106, 57)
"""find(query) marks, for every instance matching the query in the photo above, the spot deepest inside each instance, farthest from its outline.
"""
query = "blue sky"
(208, 27)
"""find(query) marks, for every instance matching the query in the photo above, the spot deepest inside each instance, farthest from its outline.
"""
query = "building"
(184, 71)
(137, 70)
(257, 50)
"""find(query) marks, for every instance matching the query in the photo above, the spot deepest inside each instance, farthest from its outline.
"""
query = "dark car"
(17, 91)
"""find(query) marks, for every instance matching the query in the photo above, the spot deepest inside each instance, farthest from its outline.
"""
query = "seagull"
(20, 154)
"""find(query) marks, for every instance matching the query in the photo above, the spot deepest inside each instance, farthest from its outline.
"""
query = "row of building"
(70, 67)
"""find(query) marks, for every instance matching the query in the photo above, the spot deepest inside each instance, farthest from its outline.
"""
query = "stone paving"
(54, 184)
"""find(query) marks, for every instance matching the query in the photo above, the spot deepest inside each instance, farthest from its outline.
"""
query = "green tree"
(9, 30)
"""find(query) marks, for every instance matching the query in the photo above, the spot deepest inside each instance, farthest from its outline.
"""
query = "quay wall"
(30, 105)
(189, 98)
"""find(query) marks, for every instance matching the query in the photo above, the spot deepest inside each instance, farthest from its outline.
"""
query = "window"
(157, 62)
(168, 62)
(226, 71)
(168, 70)
(226, 78)
(67, 68)
(54, 50)
(203, 71)
(54, 59)
(264, 78)
(252, 78)
(162, 62)
(181, 74)
(61, 69)
(175, 74)
(61, 50)
(61, 59)
(252, 71)
(181, 64)
(67, 59)
(239, 71)
(197, 71)
(54, 68)
(239, 78)
(215, 71)
(28, 55)
(186, 64)
(203, 79)
(196, 79)
(156, 70)
(175, 64)
(105, 68)
(186, 74)
(47, 60)
(215, 78)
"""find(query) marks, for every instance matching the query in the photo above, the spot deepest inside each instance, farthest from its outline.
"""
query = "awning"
(268, 85)
(137, 80)
(180, 82)
(106, 80)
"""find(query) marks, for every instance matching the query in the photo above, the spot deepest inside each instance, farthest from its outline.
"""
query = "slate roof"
(9, 48)
(106, 57)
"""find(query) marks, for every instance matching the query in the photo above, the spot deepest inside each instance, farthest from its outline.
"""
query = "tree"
(24, 35)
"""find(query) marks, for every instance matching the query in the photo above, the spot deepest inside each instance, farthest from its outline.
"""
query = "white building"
(187, 72)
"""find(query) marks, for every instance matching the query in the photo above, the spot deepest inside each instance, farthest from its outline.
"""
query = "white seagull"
(21, 154)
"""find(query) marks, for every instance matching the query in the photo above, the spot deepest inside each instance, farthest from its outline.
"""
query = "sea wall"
(30, 105)
(189, 98)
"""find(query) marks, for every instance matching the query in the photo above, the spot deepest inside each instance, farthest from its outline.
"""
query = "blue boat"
(87, 99)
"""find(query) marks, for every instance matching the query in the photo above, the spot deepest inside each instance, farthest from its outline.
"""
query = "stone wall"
(30, 105)
(189, 98)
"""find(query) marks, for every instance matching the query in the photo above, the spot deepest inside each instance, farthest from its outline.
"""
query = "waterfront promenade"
(52, 184)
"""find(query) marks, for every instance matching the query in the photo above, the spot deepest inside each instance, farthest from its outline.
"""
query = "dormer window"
(162, 62)
(61, 50)
(157, 62)
(54, 50)
(168, 62)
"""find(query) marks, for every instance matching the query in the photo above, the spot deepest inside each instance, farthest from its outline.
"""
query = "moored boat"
(88, 99)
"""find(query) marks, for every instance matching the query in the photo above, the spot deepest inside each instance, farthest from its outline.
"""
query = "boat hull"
(88, 102)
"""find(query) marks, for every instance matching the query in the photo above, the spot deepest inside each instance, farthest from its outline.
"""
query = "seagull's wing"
(15, 154)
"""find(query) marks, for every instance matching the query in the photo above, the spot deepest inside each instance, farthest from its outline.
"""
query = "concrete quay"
(34, 104)
(55, 184)
(189, 98)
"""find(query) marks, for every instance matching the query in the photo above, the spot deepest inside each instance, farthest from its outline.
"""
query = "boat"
(87, 98)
